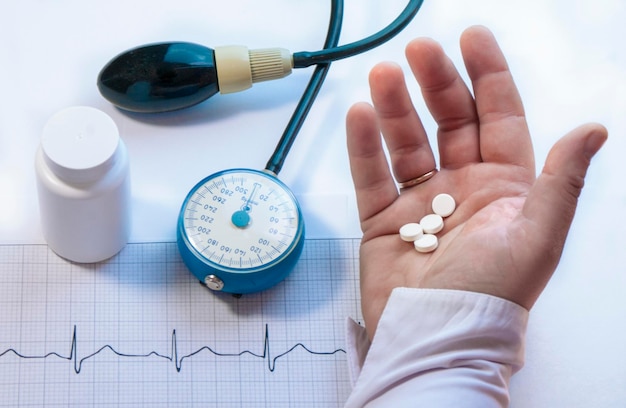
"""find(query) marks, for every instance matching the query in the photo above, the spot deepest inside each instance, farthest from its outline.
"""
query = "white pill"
(410, 232)
(444, 205)
(427, 243)
(432, 223)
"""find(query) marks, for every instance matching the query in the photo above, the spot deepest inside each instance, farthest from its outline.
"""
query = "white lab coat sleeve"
(437, 348)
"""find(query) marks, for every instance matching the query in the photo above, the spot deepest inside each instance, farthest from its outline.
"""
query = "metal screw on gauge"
(214, 283)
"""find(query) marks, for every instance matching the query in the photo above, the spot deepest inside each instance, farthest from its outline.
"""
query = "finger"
(374, 186)
(552, 201)
(406, 139)
(449, 101)
(504, 136)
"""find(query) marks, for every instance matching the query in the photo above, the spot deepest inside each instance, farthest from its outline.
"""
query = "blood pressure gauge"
(240, 231)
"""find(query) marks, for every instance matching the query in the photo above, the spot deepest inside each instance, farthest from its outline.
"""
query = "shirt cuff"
(429, 330)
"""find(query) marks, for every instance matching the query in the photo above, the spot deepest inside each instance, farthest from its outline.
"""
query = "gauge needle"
(241, 218)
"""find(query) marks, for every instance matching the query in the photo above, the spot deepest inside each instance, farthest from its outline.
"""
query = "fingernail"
(594, 142)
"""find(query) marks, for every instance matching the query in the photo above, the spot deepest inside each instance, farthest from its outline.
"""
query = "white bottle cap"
(83, 185)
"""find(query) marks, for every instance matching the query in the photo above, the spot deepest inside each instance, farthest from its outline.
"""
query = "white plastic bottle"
(83, 184)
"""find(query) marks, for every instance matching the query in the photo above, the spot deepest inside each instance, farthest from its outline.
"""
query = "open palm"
(507, 234)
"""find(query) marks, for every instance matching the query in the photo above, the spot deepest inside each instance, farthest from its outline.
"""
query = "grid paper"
(140, 330)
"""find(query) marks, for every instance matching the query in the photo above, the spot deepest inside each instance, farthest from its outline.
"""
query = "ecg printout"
(140, 330)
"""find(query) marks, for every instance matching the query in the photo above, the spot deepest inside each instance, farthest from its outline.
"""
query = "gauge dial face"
(241, 220)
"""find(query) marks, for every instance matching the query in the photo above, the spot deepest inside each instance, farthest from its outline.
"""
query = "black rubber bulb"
(160, 77)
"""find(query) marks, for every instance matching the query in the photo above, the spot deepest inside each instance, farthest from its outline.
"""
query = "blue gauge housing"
(242, 228)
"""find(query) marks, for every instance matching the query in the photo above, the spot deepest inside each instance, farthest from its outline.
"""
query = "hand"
(507, 234)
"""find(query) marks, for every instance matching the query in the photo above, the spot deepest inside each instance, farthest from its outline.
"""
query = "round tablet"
(427, 243)
(410, 232)
(444, 205)
(432, 223)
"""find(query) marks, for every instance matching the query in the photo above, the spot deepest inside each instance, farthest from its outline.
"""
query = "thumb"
(551, 203)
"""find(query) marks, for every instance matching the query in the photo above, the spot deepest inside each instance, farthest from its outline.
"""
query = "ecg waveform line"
(173, 357)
